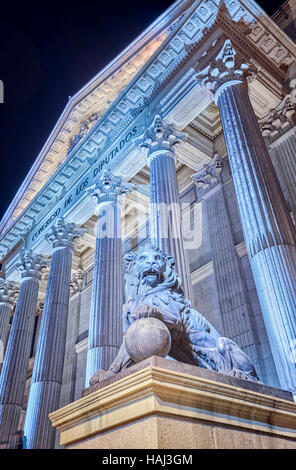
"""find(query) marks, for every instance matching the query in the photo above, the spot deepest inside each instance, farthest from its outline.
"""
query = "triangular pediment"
(89, 104)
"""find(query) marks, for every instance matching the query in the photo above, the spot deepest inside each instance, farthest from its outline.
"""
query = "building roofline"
(139, 42)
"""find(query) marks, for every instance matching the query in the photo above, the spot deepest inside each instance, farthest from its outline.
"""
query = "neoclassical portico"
(105, 324)
(193, 87)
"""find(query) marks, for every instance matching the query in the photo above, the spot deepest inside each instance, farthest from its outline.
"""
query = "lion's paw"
(99, 376)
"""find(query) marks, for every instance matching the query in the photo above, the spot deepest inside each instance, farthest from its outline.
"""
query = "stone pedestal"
(164, 404)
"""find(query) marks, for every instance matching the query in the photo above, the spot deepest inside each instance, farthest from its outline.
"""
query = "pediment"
(85, 108)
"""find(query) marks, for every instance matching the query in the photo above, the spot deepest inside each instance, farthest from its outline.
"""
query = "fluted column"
(279, 131)
(14, 371)
(234, 306)
(47, 374)
(165, 207)
(8, 294)
(283, 155)
(70, 367)
(105, 324)
(268, 229)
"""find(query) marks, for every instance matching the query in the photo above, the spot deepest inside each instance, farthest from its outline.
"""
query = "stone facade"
(176, 134)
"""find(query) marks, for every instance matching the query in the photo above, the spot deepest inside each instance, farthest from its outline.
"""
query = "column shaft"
(165, 207)
(8, 296)
(283, 155)
(49, 358)
(267, 226)
(165, 214)
(5, 313)
(234, 305)
(15, 366)
(105, 326)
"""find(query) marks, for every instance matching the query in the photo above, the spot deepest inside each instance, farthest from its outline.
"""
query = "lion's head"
(149, 268)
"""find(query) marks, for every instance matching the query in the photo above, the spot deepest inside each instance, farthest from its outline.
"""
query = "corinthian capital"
(63, 234)
(31, 264)
(109, 187)
(209, 176)
(228, 68)
(8, 291)
(280, 119)
(160, 136)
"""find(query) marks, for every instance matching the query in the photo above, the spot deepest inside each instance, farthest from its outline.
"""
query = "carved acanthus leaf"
(31, 264)
(8, 291)
(63, 234)
(281, 119)
(228, 66)
(209, 176)
(109, 187)
(160, 136)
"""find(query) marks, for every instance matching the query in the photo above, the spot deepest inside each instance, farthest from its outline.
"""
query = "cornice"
(211, 133)
(240, 35)
(83, 149)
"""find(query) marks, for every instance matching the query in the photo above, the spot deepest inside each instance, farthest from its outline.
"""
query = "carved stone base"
(164, 404)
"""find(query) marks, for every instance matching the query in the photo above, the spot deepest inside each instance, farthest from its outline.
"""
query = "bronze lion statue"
(154, 289)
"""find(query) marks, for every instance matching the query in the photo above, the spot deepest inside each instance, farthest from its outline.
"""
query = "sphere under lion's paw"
(147, 337)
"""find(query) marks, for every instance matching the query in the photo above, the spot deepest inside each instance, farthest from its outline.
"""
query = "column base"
(164, 404)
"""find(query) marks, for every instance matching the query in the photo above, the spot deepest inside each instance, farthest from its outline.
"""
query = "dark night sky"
(48, 51)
